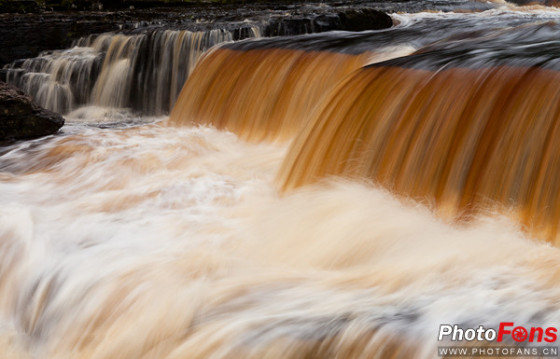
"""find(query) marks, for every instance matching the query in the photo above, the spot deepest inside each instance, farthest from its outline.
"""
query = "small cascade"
(113, 86)
(144, 72)
(168, 60)
(57, 80)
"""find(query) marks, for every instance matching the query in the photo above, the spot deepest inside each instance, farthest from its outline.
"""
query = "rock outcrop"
(349, 20)
(21, 118)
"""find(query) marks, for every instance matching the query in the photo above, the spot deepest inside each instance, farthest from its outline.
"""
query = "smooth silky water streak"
(267, 93)
(464, 127)
(268, 89)
(260, 94)
(140, 71)
(145, 71)
(58, 80)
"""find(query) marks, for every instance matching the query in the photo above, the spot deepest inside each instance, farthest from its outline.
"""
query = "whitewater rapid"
(159, 242)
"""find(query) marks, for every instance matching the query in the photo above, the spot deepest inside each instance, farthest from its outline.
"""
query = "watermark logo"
(482, 341)
(501, 352)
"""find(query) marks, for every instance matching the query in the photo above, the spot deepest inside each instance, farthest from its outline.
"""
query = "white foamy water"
(163, 242)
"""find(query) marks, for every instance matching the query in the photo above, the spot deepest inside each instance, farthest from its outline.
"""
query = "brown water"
(133, 237)
(266, 94)
(184, 249)
(466, 139)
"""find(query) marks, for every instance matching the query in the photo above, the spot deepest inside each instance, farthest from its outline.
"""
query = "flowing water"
(142, 71)
(324, 196)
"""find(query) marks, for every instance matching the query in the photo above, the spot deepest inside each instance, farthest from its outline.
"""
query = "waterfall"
(58, 80)
(434, 125)
(261, 94)
(339, 195)
(144, 72)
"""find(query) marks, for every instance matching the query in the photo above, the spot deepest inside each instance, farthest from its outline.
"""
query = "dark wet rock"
(20, 118)
(26, 35)
(349, 20)
(19, 6)
(365, 19)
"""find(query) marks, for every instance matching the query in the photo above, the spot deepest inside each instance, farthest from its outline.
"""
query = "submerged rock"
(21, 118)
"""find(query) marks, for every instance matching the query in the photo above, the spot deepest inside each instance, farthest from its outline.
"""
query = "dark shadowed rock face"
(348, 20)
(26, 35)
(365, 19)
(20, 118)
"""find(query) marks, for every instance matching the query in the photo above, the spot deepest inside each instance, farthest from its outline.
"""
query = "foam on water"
(159, 242)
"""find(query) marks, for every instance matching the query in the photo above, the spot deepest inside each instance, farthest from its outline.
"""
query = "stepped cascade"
(145, 72)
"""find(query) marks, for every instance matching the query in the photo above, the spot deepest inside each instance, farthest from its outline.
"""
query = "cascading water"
(58, 80)
(145, 69)
(172, 240)
(232, 90)
(144, 72)
(465, 127)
